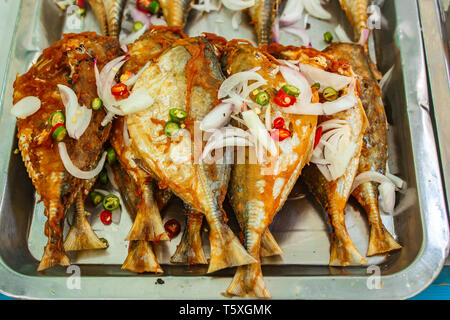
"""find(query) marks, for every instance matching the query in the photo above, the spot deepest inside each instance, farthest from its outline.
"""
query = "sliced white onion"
(26, 107)
(110, 174)
(259, 131)
(276, 30)
(126, 134)
(73, 170)
(231, 84)
(155, 20)
(300, 32)
(387, 197)
(132, 80)
(205, 6)
(223, 143)
(370, 176)
(341, 34)
(217, 117)
(238, 5)
(77, 118)
(132, 37)
(314, 7)
(268, 118)
(364, 36)
(296, 79)
(108, 118)
(326, 79)
(236, 20)
(293, 64)
(386, 79)
(138, 100)
(292, 12)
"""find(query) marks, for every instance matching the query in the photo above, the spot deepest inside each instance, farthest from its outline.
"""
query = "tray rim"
(403, 284)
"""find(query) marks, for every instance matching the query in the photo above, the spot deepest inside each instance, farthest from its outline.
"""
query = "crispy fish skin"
(374, 150)
(263, 16)
(114, 13)
(185, 76)
(190, 249)
(148, 224)
(68, 62)
(176, 11)
(258, 191)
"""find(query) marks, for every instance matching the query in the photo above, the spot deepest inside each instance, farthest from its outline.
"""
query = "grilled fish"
(185, 76)
(69, 61)
(190, 249)
(257, 195)
(176, 12)
(141, 257)
(81, 236)
(374, 150)
(263, 16)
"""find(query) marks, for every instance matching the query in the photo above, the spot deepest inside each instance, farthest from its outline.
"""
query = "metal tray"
(300, 228)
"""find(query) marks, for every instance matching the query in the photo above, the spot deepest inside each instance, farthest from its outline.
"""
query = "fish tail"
(114, 13)
(226, 249)
(81, 236)
(148, 224)
(54, 251)
(248, 280)
(100, 13)
(343, 251)
(269, 246)
(190, 249)
(380, 240)
(141, 258)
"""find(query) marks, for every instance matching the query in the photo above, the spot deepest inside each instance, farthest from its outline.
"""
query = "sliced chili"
(284, 100)
(120, 91)
(96, 198)
(105, 241)
(111, 202)
(97, 104)
(138, 25)
(171, 128)
(56, 117)
(177, 115)
(172, 228)
(153, 8)
(280, 134)
(328, 37)
(319, 131)
(103, 177)
(330, 94)
(291, 90)
(111, 156)
(278, 123)
(262, 98)
(59, 132)
(106, 217)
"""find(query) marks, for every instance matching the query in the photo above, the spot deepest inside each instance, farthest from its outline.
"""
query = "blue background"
(439, 290)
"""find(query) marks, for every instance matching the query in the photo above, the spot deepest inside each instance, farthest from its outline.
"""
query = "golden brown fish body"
(258, 191)
(68, 62)
(263, 16)
(186, 76)
(190, 249)
(374, 150)
(81, 236)
(176, 12)
(148, 224)
(356, 12)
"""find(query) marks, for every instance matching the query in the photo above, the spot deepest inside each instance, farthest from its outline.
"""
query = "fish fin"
(269, 246)
(53, 256)
(82, 237)
(141, 258)
(248, 280)
(381, 241)
(226, 249)
(190, 249)
(343, 251)
(100, 13)
(148, 224)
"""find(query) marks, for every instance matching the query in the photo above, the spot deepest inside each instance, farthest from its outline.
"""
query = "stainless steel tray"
(300, 228)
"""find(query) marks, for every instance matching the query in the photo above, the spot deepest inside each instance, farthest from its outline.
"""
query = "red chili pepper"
(172, 228)
(106, 217)
(120, 91)
(319, 131)
(81, 3)
(56, 127)
(280, 134)
(278, 123)
(284, 100)
(142, 5)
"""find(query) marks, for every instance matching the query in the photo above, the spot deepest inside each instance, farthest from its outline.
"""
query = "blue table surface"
(438, 290)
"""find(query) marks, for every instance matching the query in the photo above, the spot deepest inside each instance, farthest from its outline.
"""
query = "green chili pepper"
(330, 94)
(177, 115)
(153, 8)
(56, 118)
(111, 155)
(96, 198)
(138, 25)
(105, 242)
(316, 85)
(328, 37)
(291, 90)
(59, 132)
(82, 12)
(171, 128)
(262, 98)
(111, 202)
(103, 177)
(97, 104)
